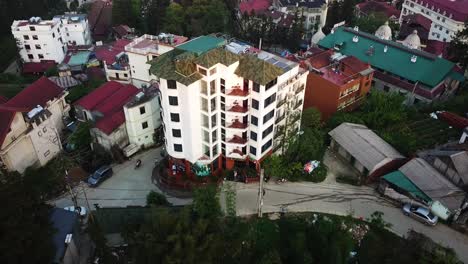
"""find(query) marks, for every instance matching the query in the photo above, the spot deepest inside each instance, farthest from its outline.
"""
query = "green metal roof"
(202, 44)
(80, 58)
(399, 179)
(428, 69)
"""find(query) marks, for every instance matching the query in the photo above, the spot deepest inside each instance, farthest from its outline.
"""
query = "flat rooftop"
(72, 18)
(202, 44)
(150, 44)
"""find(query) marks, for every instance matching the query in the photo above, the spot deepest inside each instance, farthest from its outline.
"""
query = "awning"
(398, 179)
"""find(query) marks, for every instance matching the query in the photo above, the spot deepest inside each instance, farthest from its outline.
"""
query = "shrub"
(156, 199)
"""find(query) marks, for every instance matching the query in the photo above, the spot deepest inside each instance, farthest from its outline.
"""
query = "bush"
(156, 199)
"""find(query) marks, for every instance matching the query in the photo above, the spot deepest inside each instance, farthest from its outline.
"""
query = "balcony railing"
(238, 152)
(237, 91)
(281, 102)
(238, 109)
(237, 124)
(300, 89)
(238, 140)
(280, 118)
(297, 104)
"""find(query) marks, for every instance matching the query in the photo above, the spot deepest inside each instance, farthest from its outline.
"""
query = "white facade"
(144, 49)
(444, 26)
(34, 141)
(142, 119)
(224, 114)
(121, 75)
(314, 12)
(47, 40)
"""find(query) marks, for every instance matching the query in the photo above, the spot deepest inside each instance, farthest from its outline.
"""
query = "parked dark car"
(100, 175)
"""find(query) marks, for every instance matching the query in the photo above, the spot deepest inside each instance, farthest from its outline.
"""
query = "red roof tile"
(38, 67)
(254, 5)
(453, 119)
(107, 53)
(109, 100)
(378, 7)
(122, 30)
(38, 93)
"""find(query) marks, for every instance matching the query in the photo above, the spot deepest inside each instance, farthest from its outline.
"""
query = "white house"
(313, 11)
(145, 48)
(39, 39)
(221, 105)
(142, 117)
(31, 123)
(448, 17)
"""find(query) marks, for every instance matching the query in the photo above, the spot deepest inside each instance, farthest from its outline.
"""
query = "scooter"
(281, 180)
(138, 164)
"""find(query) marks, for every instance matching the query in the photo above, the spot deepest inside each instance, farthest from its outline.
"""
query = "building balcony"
(281, 102)
(237, 154)
(280, 118)
(238, 109)
(237, 125)
(237, 91)
(300, 89)
(297, 104)
(238, 140)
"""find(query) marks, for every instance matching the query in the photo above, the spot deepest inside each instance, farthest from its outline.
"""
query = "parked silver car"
(420, 213)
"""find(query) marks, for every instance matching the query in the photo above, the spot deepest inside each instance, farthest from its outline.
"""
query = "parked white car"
(420, 213)
(79, 210)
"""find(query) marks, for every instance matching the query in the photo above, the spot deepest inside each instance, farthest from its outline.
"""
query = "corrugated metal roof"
(432, 183)
(364, 145)
(399, 179)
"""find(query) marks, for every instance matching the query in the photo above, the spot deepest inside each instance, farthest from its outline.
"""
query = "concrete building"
(313, 11)
(31, 123)
(115, 61)
(369, 154)
(142, 118)
(39, 40)
(447, 17)
(224, 103)
(335, 81)
(144, 49)
(104, 108)
(402, 68)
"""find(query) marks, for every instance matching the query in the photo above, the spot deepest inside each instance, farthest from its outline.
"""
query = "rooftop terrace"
(151, 44)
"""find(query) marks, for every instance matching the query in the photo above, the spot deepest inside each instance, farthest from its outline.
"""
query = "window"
(142, 110)
(125, 75)
(213, 71)
(253, 150)
(256, 87)
(37, 46)
(212, 87)
(144, 125)
(171, 84)
(214, 136)
(204, 104)
(253, 135)
(27, 47)
(176, 133)
(178, 147)
(255, 104)
(268, 116)
(267, 131)
(26, 37)
(213, 120)
(173, 100)
(46, 153)
(202, 71)
(32, 28)
(213, 104)
(270, 84)
(30, 56)
(270, 100)
(204, 87)
(35, 37)
(175, 117)
(266, 145)
(223, 85)
(40, 56)
(53, 35)
(254, 120)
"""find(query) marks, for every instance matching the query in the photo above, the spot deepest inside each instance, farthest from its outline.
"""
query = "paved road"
(341, 199)
(128, 186)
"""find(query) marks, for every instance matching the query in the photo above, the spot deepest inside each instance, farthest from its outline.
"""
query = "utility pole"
(87, 203)
(260, 194)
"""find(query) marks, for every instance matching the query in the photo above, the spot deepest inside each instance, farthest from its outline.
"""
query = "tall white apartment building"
(226, 102)
(144, 49)
(39, 39)
(447, 16)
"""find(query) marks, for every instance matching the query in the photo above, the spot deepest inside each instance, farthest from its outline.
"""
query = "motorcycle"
(138, 164)
(281, 180)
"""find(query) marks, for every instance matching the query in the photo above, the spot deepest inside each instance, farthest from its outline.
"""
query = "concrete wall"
(134, 120)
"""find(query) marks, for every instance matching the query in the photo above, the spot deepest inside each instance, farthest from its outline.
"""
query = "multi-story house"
(448, 17)
(142, 118)
(104, 107)
(31, 123)
(115, 61)
(39, 40)
(335, 81)
(313, 11)
(402, 68)
(145, 48)
(224, 103)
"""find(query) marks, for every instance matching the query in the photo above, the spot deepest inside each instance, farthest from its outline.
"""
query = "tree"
(207, 16)
(156, 199)
(274, 166)
(206, 202)
(348, 12)
(371, 22)
(174, 19)
(311, 118)
(82, 138)
(123, 12)
(382, 109)
(74, 5)
(458, 48)
(24, 223)
(155, 15)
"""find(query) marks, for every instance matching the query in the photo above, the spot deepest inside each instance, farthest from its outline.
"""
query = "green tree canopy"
(311, 118)
(458, 48)
(174, 19)
(206, 202)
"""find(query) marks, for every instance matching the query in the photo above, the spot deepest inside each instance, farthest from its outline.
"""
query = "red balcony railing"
(237, 124)
(238, 152)
(238, 140)
(237, 91)
(238, 109)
